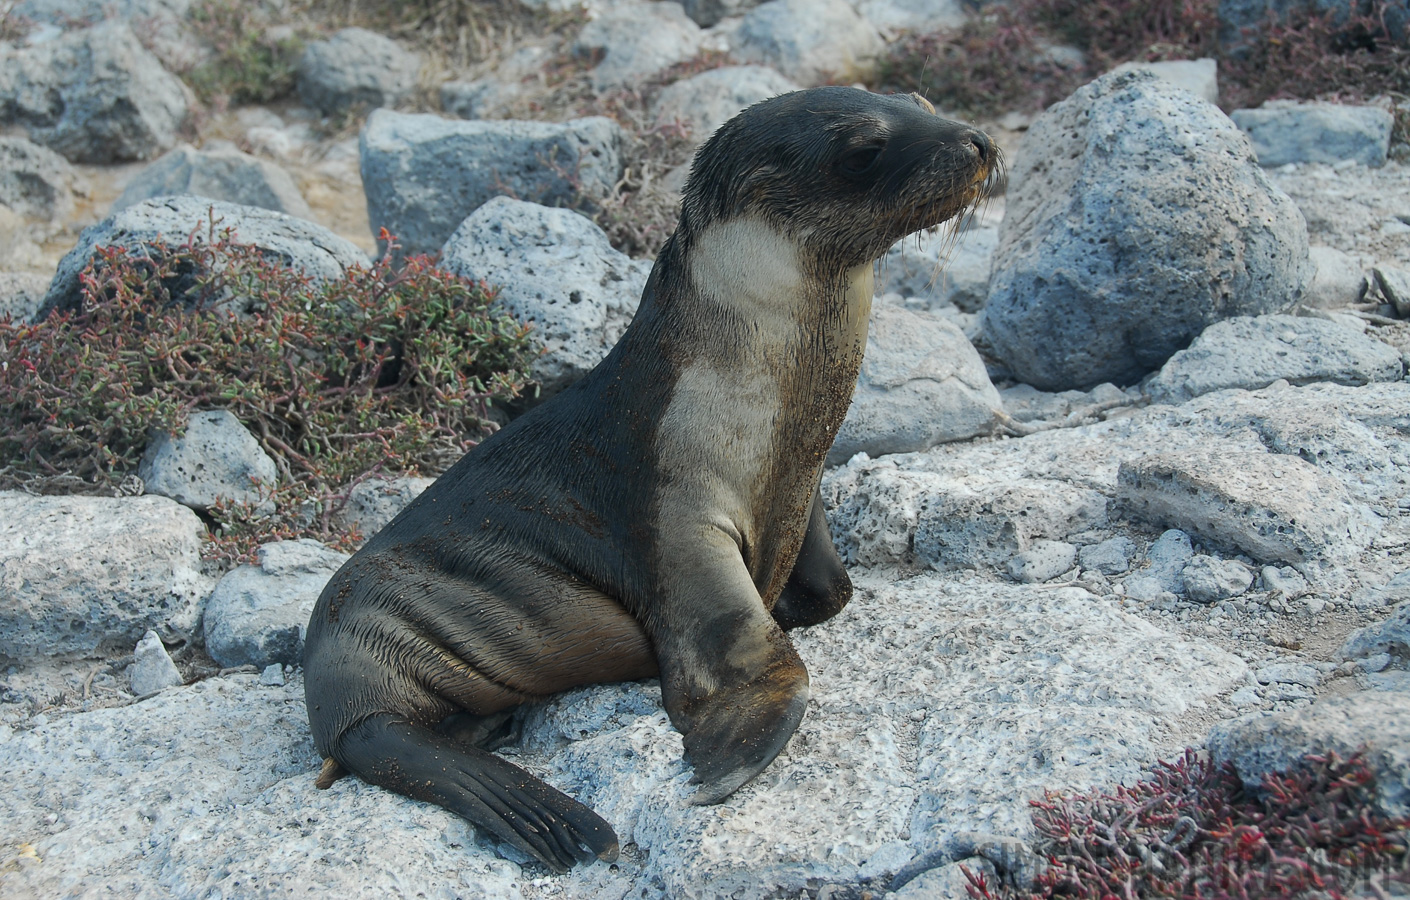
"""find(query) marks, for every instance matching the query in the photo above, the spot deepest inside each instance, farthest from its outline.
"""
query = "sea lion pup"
(662, 514)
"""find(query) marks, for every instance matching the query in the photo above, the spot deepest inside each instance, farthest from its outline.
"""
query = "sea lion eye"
(859, 161)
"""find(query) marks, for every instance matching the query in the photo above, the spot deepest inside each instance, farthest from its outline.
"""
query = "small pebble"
(272, 675)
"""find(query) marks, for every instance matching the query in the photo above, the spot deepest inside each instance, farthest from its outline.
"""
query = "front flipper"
(818, 587)
(730, 678)
(493, 794)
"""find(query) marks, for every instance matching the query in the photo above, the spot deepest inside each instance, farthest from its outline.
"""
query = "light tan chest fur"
(732, 414)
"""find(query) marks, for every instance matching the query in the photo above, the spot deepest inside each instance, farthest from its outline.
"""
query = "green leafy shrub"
(250, 61)
(382, 369)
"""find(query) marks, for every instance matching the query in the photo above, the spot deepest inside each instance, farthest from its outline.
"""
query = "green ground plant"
(382, 370)
(250, 61)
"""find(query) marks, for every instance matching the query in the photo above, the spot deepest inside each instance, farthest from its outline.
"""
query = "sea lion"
(660, 516)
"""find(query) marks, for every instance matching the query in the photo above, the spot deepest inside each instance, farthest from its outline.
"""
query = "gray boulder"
(709, 12)
(152, 669)
(962, 526)
(1164, 573)
(163, 23)
(219, 172)
(1253, 352)
(95, 95)
(1390, 637)
(1136, 217)
(373, 503)
(1273, 507)
(1338, 279)
(215, 458)
(1209, 579)
(1043, 561)
(21, 293)
(941, 268)
(491, 96)
(1110, 557)
(635, 41)
(90, 575)
(1198, 76)
(35, 181)
(1378, 722)
(810, 41)
(706, 101)
(921, 384)
(310, 248)
(424, 174)
(1025, 403)
(559, 272)
(356, 70)
(1394, 285)
(894, 16)
(258, 615)
(1285, 132)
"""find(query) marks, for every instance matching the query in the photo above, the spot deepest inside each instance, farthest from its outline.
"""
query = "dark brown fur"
(661, 516)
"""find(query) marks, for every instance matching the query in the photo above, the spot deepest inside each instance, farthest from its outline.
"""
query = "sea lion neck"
(767, 282)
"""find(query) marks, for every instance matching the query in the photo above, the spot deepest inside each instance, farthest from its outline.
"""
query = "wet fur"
(661, 516)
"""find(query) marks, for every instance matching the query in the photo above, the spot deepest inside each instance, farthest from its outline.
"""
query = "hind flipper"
(491, 793)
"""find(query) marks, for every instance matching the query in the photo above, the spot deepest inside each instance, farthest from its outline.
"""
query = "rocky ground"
(1075, 584)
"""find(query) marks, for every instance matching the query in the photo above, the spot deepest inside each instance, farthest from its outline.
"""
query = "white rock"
(706, 101)
(922, 383)
(1198, 76)
(1338, 279)
(1251, 352)
(809, 41)
(941, 268)
(1209, 579)
(559, 272)
(258, 615)
(1289, 673)
(220, 172)
(308, 248)
(1019, 690)
(375, 502)
(637, 41)
(1043, 561)
(152, 669)
(1273, 507)
(216, 457)
(913, 15)
(89, 575)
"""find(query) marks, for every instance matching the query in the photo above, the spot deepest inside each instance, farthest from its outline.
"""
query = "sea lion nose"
(982, 144)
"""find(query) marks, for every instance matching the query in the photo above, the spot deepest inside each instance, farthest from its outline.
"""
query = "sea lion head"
(843, 172)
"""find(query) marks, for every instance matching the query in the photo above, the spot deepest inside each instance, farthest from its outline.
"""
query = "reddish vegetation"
(380, 369)
(1192, 831)
(1001, 60)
